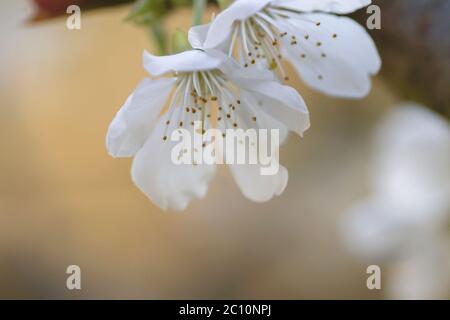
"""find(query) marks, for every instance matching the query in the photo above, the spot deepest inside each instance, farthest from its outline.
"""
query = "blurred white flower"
(407, 216)
(332, 54)
(206, 87)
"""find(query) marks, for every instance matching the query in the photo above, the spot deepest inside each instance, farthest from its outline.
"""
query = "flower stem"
(198, 8)
(159, 36)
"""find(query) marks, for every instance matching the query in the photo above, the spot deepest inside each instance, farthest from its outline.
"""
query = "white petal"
(197, 35)
(221, 27)
(340, 66)
(168, 185)
(250, 109)
(248, 177)
(239, 75)
(334, 6)
(257, 187)
(281, 102)
(259, 87)
(135, 120)
(193, 60)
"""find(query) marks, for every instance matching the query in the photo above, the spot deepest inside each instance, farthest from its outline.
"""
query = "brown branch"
(47, 9)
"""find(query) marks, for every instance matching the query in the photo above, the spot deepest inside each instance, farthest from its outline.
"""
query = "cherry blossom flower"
(211, 88)
(332, 54)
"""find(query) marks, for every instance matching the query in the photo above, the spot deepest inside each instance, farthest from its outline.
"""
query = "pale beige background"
(64, 201)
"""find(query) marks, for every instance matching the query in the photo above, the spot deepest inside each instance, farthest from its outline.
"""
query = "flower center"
(259, 43)
(204, 96)
(260, 38)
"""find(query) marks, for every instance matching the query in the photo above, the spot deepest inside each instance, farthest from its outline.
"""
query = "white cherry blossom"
(332, 54)
(210, 88)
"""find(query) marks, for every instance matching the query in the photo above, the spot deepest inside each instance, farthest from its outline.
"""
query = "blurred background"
(64, 201)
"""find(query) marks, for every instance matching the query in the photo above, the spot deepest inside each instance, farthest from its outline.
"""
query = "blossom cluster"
(233, 78)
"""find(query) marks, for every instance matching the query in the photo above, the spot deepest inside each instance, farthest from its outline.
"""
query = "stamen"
(244, 38)
(183, 84)
(256, 33)
(233, 41)
(252, 34)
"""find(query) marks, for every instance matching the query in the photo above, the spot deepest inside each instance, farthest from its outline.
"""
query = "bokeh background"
(64, 201)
